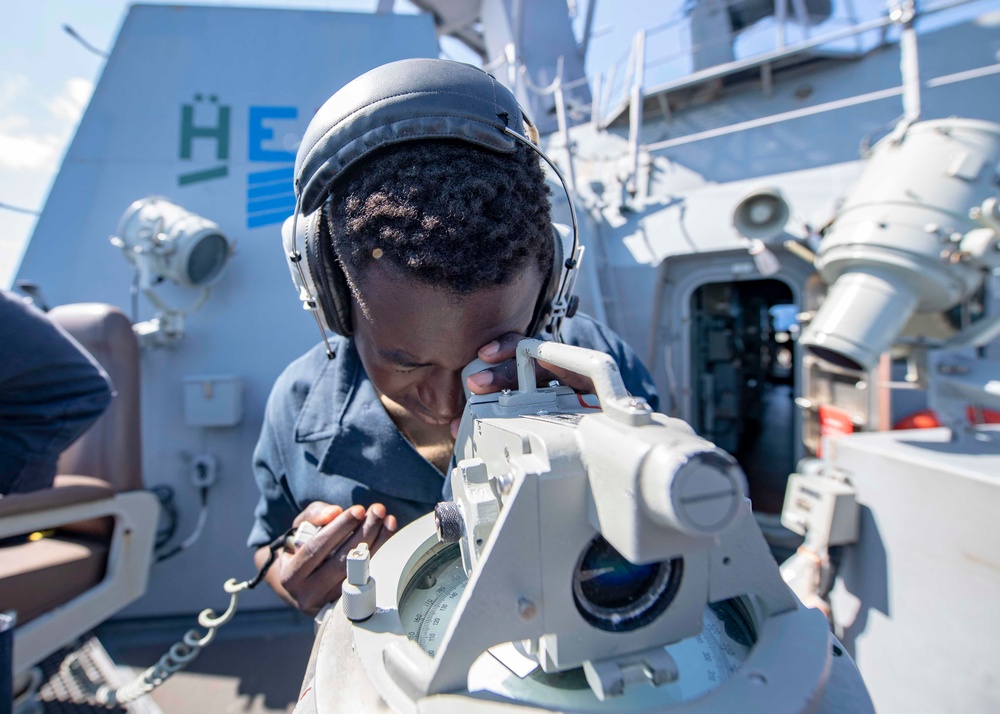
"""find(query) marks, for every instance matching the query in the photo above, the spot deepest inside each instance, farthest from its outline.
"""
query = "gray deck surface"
(255, 665)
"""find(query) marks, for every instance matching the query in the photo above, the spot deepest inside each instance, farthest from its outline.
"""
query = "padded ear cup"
(402, 101)
(543, 308)
(293, 235)
(333, 294)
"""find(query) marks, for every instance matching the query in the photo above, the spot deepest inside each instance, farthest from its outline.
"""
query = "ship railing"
(654, 65)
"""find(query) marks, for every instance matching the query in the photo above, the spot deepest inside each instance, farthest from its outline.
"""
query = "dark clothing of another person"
(51, 391)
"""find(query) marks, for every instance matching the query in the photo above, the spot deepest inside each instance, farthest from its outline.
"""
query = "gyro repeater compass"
(596, 556)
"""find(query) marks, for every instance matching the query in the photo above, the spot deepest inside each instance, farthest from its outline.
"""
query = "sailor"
(447, 251)
(51, 391)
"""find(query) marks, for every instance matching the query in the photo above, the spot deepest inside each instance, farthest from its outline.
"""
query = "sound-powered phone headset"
(407, 100)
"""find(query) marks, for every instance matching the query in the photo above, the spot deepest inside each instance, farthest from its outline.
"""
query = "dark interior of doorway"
(743, 337)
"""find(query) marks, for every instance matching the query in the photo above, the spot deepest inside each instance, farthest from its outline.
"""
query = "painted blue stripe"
(267, 219)
(283, 174)
(271, 189)
(271, 203)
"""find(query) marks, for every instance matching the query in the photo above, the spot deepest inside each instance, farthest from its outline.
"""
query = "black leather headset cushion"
(333, 293)
(549, 288)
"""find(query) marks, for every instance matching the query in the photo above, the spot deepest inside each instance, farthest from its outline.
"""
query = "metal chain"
(182, 653)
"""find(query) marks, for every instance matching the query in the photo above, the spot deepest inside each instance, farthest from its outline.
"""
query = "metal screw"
(526, 609)
(504, 482)
(637, 404)
(505, 392)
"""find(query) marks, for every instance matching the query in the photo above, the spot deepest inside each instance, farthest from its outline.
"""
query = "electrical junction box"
(213, 401)
(814, 503)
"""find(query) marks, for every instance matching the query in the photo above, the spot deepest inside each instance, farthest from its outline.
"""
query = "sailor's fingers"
(318, 513)
(319, 587)
(329, 580)
(309, 556)
(389, 528)
(545, 373)
(368, 532)
(307, 594)
(503, 374)
(309, 575)
(376, 529)
(501, 349)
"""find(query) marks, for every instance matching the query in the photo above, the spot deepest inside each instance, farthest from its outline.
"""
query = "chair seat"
(38, 576)
(98, 560)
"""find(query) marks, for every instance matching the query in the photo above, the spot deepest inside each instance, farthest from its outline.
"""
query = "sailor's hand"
(310, 575)
(503, 374)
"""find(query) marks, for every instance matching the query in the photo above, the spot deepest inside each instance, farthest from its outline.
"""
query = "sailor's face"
(414, 340)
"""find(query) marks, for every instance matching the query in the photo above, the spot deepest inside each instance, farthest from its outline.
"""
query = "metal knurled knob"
(358, 600)
(448, 521)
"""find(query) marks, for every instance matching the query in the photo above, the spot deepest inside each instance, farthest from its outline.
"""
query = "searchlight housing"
(165, 242)
(917, 233)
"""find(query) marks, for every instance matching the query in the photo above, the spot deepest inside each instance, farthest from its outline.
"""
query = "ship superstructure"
(707, 165)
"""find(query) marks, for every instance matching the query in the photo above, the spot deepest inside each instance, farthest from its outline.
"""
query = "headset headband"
(397, 102)
(402, 101)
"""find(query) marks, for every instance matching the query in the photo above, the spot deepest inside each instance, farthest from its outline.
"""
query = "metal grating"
(72, 676)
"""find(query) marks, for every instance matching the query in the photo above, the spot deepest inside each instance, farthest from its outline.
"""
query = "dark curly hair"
(447, 213)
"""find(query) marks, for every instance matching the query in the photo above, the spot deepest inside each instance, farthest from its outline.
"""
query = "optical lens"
(615, 595)
(207, 258)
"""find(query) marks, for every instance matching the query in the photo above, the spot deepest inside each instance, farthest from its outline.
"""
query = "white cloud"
(70, 103)
(28, 151)
(24, 148)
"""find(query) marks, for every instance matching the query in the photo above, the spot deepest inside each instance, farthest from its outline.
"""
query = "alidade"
(596, 557)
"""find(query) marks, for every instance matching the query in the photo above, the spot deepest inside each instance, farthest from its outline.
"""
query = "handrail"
(618, 95)
(819, 108)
